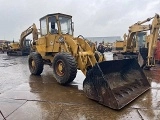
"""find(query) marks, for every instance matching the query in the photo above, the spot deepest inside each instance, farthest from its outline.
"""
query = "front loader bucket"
(115, 83)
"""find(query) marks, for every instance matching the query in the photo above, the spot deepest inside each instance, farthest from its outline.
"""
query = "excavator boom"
(32, 29)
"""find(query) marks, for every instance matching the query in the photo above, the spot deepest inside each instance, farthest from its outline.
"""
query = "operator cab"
(27, 43)
(56, 24)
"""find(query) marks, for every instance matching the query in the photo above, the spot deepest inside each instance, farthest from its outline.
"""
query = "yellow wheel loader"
(111, 83)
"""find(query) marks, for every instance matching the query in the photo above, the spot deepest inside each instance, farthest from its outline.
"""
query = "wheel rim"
(33, 65)
(60, 68)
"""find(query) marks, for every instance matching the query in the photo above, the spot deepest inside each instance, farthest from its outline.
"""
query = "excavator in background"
(14, 48)
(119, 46)
(144, 54)
(24, 46)
(111, 83)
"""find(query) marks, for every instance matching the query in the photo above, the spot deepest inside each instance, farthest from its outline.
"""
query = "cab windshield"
(141, 39)
(65, 23)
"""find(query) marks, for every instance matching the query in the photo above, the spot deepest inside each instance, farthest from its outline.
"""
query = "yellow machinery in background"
(24, 46)
(107, 47)
(4, 46)
(118, 46)
(144, 54)
(1, 47)
(111, 83)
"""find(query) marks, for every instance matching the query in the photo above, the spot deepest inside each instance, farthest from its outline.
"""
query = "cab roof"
(56, 14)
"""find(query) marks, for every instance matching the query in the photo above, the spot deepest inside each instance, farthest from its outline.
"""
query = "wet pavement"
(27, 97)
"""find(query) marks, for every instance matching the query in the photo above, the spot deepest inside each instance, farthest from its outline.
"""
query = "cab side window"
(43, 27)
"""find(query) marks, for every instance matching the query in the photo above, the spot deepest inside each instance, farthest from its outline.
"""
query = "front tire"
(35, 63)
(64, 68)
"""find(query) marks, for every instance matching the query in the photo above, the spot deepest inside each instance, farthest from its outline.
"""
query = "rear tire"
(64, 68)
(35, 63)
(7, 53)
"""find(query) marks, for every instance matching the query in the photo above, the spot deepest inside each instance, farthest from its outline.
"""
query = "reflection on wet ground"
(27, 97)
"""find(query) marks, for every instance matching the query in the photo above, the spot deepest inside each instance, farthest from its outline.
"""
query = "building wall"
(105, 39)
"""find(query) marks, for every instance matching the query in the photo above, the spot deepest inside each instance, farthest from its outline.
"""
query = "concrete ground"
(27, 97)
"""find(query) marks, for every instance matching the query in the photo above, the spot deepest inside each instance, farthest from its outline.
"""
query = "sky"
(92, 18)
